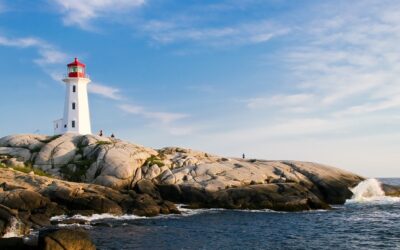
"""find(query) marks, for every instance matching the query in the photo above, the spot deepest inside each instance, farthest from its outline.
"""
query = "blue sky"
(275, 79)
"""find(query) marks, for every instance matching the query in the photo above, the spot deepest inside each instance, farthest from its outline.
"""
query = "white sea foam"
(182, 208)
(13, 230)
(190, 211)
(74, 225)
(370, 191)
(96, 217)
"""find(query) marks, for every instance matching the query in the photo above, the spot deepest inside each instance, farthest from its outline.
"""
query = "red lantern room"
(76, 69)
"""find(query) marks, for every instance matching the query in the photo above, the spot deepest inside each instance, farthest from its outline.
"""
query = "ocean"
(362, 223)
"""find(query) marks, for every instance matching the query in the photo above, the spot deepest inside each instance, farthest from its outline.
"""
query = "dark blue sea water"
(365, 225)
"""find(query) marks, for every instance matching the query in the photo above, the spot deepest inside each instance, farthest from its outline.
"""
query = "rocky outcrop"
(278, 197)
(176, 174)
(391, 190)
(30, 200)
(93, 159)
(65, 239)
(51, 239)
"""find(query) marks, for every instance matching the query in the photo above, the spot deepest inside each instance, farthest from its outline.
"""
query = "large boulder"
(65, 239)
(23, 200)
(76, 198)
(148, 201)
(117, 163)
(391, 190)
(21, 154)
(28, 141)
(147, 187)
(57, 153)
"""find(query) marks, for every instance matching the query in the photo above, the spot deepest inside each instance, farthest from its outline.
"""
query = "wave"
(184, 212)
(189, 211)
(97, 217)
(370, 191)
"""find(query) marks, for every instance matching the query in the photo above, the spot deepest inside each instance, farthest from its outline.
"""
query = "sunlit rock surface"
(182, 175)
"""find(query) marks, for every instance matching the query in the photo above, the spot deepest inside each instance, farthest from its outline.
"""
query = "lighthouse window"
(74, 88)
(74, 69)
(73, 124)
(73, 106)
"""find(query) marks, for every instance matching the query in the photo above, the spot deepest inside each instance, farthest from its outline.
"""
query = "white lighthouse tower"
(76, 111)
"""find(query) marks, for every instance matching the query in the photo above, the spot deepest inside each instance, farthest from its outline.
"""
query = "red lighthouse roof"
(76, 69)
(76, 63)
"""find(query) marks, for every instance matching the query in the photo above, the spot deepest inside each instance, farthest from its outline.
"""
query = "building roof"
(76, 63)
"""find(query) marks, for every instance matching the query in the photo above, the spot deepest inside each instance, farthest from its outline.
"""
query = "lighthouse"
(76, 110)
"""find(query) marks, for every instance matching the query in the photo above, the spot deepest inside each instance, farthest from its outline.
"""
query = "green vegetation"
(154, 160)
(103, 143)
(78, 172)
(27, 170)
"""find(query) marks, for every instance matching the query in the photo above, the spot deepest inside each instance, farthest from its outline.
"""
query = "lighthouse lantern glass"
(75, 69)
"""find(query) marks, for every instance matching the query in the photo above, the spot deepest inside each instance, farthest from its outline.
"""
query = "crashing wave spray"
(370, 190)
(367, 189)
(14, 229)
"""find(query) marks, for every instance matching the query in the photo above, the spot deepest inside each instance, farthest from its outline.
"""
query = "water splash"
(14, 230)
(96, 217)
(370, 191)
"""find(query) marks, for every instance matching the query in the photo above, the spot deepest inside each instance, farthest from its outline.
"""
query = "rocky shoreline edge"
(46, 176)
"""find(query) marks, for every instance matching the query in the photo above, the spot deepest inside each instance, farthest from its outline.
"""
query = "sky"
(274, 79)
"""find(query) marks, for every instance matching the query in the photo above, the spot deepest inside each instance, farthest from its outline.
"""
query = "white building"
(76, 111)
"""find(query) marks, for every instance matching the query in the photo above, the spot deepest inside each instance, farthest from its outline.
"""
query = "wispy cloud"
(81, 13)
(280, 100)
(351, 54)
(48, 53)
(242, 33)
(105, 91)
(388, 103)
(346, 67)
(51, 56)
(21, 42)
(52, 61)
(163, 117)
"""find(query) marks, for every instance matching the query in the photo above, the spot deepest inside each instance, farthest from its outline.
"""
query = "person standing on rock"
(112, 136)
(243, 156)
(101, 133)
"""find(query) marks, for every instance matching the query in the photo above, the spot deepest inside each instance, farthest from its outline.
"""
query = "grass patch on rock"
(103, 142)
(27, 170)
(76, 171)
(154, 160)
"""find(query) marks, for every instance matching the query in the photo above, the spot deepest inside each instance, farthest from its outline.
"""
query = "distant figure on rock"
(243, 156)
(112, 136)
(101, 133)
